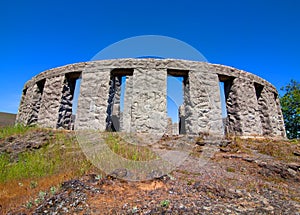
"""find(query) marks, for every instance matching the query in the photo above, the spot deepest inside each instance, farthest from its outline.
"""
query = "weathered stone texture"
(92, 101)
(113, 106)
(148, 109)
(270, 114)
(253, 106)
(202, 103)
(65, 109)
(126, 115)
(51, 101)
(30, 105)
(243, 117)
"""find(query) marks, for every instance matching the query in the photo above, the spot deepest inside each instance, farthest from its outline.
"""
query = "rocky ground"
(237, 178)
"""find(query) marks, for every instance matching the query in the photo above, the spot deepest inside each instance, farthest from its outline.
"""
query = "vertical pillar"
(65, 109)
(149, 112)
(280, 131)
(26, 113)
(181, 115)
(36, 102)
(242, 107)
(271, 115)
(126, 115)
(30, 104)
(113, 109)
(202, 103)
(92, 101)
(22, 108)
(51, 100)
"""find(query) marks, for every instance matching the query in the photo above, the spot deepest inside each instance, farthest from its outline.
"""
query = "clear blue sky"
(259, 36)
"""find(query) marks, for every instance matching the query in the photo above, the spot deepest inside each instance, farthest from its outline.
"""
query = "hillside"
(45, 172)
(7, 119)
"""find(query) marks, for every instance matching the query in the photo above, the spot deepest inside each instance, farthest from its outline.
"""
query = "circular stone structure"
(252, 103)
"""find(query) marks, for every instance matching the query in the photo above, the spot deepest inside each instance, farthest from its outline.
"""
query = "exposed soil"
(236, 179)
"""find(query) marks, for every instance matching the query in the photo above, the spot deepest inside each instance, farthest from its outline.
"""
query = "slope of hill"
(7, 119)
(45, 172)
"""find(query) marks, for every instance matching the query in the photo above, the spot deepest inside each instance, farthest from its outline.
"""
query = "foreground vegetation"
(127, 150)
(29, 176)
(29, 172)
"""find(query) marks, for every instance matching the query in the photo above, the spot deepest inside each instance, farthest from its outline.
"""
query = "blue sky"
(259, 36)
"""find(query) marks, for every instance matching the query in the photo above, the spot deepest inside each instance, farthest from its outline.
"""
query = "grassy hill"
(44, 171)
(7, 119)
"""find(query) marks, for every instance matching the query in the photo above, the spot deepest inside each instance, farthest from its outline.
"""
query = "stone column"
(181, 114)
(126, 115)
(113, 109)
(242, 107)
(270, 114)
(92, 101)
(65, 110)
(23, 108)
(280, 129)
(30, 104)
(202, 102)
(51, 101)
(149, 105)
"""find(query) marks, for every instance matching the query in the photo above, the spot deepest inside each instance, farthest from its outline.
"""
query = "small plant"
(230, 169)
(135, 209)
(42, 195)
(190, 182)
(37, 201)
(33, 184)
(29, 204)
(165, 203)
(98, 177)
(53, 190)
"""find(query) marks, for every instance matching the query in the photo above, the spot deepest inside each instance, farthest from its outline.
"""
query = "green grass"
(230, 169)
(13, 130)
(61, 154)
(128, 151)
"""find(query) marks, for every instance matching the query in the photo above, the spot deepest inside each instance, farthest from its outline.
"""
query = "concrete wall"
(252, 103)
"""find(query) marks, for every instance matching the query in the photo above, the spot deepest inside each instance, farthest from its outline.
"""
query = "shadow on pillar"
(184, 74)
(66, 119)
(36, 99)
(113, 111)
(230, 123)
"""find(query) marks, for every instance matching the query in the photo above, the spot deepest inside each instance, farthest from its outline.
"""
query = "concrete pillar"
(51, 100)
(175, 128)
(181, 122)
(270, 114)
(242, 106)
(113, 109)
(65, 110)
(30, 104)
(149, 105)
(21, 118)
(25, 110)
(126, 115)
(280, 128)
(92, 101)
(202, 103)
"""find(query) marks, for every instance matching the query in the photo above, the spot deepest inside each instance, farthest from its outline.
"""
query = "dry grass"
(18, 192)
(7, 119)
(239, 145)
(38, 170)
(129, 151)
(282, 150)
